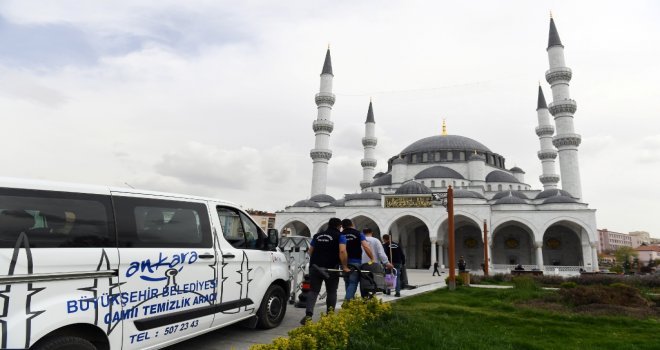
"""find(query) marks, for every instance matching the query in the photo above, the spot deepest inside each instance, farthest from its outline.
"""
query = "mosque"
(552, 230)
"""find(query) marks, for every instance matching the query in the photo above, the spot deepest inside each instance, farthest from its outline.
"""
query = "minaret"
(369, 142)
(322, 126)
(563, 108)
(547, 154)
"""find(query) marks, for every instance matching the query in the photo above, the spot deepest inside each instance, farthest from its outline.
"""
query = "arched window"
(414, 158)
(425, 157)
(422, 182)
(443, 183)
(489, 188)
(432, 183)
(510, 187)
(437, 156)
(450, 155)
(461, 155)
(499, 188)
(518, 187)
(380, 190)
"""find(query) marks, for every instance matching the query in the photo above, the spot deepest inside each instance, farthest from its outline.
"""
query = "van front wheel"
(65, 343)
(273, 308)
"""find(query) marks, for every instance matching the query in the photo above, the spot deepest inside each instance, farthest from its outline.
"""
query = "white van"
(85, 267)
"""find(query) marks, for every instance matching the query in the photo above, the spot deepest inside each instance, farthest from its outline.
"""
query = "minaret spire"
(369, 142)
(322, 127)
(547, 154)
(444, 127)
(562, 109)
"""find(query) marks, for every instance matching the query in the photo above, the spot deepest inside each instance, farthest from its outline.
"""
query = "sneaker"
(306, 319)
(388, 292)
(397, 294)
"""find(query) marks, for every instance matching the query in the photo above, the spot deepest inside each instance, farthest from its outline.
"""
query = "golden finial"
(370, 99)
(329, 42)
(550, 14)
(444, 127)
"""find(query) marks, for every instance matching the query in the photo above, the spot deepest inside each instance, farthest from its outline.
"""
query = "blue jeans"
(352, 280)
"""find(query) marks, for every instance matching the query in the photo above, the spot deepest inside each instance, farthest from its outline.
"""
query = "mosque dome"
(559, 199)
(551, 193)
(322, 198)
(338, 203)
(503, 194)
(306, 203)
(438, 172)
(412, 187)
(363, 195)
(500, 176)
(516, 169)
(383, 180)
(459, 193)
(510, 200)
(444, 143)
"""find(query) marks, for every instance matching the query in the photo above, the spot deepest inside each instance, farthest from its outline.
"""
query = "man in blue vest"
(355, 243)
(327, 249)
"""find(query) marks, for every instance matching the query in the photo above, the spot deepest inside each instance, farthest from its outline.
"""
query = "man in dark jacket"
(327, 250)
(356, 241)
(395, 254)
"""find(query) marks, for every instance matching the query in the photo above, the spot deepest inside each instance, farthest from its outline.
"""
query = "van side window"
(53, 219)
(239, 230)
(156, 223)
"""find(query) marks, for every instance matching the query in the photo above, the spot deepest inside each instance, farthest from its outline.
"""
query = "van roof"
(45, 185)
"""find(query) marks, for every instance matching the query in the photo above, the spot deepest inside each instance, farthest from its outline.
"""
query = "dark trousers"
(435, 270)
(315, 281)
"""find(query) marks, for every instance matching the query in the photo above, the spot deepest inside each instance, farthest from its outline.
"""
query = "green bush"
(549, 280)
(524, 283)
(568, 285)
(333, 330)
(459, 280)
(620, 294)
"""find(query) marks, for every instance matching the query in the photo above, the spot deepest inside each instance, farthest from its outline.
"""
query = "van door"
(58, 264)
(167, 268)
(245, 267)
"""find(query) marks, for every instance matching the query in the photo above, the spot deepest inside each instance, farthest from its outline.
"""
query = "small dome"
(515, 169)
(458, 193)
(363, 195)
(444, 143)
(503, 194)
(306, 203)
(399, 161)
(338, 203)
(510, 200)
(384, 180)
(322, 198)
(437, 172)
(412, 187)
(553, 192)
(559, 199)
(500, 176)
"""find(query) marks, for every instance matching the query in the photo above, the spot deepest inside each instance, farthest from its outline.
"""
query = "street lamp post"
(447, 200)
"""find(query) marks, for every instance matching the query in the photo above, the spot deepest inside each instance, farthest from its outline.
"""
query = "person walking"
(356, 243)
(435, 269)
(377, 250)
(395, 254)
(327, 250)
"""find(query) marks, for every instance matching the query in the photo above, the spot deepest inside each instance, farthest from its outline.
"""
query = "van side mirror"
(273, 238)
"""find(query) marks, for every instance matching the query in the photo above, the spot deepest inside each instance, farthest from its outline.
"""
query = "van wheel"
(65, 343)
(273, 307)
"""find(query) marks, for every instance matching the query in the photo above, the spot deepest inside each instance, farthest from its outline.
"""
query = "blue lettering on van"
(147, 267)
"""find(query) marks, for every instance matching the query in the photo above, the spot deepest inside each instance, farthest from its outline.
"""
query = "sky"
(216, 98)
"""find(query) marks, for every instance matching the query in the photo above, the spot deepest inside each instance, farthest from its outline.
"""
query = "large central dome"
(444, 143)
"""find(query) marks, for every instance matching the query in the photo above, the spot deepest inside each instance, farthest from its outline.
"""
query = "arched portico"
(468, 242)
(564, 243)
(512, 243)
(413, 234)
(362, 221)
(296, 228)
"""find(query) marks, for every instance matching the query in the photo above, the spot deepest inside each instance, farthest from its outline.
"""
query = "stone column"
(594, 257)
(441, 254)
(434, 253)
(539, 255)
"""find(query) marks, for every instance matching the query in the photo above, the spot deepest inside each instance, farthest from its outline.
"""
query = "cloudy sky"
(216, 98)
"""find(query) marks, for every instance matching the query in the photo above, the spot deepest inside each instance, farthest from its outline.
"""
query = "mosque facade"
(552, 229)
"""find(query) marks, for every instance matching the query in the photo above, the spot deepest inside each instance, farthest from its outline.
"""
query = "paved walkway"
(240, 338)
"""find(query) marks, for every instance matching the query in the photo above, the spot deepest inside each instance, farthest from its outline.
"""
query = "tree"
(625, 257)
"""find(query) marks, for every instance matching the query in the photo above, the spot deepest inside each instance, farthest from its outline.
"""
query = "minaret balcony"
(325, 98)
(323, 125)
(558, 75)
(567, 140)
(320, 154)
(545, 130)
(549, 179)
(369, 141)
(562, 106)
(368, 163)
(364, 184)
(547, 154)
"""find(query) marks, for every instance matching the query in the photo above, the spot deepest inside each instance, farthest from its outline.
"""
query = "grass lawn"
(476, 318)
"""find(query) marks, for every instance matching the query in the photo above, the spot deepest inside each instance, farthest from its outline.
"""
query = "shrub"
(620, 294)
(524, 283)
(332, 330)
(566, 285)
(549, 280)
(459, 280)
